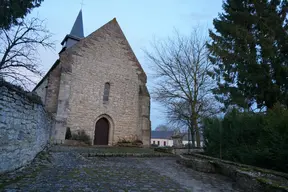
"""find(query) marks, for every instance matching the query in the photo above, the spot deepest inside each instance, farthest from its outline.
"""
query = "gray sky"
(141, 22)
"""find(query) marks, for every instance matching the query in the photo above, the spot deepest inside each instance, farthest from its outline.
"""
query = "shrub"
(154, 145)
(251, 138)
(137, 141)
(272, 151)
(124, 140)
(81, 136)
(129, 141)
(68, 134)
(163, 149)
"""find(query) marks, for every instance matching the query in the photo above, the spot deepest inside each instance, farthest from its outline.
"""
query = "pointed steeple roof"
(76, 33)
(77, 30)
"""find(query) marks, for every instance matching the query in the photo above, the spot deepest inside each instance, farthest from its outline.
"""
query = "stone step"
(95, 151)
(127, 155)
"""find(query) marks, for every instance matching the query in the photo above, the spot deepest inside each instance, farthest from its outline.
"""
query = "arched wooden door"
(101, 132)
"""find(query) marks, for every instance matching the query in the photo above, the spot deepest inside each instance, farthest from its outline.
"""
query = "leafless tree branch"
(183, 84)
(19, 50)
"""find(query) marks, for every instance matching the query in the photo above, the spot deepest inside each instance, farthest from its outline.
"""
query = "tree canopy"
(13, 10)
(250, 51)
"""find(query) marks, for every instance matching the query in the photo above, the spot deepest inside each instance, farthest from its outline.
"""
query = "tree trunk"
(192, 137)
(195, 124)
(193, 140)
(196, 128)
(191, 127)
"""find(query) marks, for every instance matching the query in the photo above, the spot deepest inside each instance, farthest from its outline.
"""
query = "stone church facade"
(97, 85)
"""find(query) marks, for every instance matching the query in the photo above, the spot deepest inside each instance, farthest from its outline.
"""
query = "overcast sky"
(141, 21)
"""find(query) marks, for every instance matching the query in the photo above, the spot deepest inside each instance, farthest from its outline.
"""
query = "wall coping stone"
(247, 177)
(31, 96)
(263, 170)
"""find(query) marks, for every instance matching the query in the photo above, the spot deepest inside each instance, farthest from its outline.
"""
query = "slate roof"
(77, 29)
(161, 134)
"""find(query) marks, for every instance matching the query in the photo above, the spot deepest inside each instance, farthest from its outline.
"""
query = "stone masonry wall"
(103, 56)
(42, 89)
(51, 101)
(24, 128)
(144, 114)
(246, 177)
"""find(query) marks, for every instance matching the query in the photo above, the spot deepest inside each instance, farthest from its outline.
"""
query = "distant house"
(162, 138)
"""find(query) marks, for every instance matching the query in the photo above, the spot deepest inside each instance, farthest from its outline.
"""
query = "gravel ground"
(70, 171)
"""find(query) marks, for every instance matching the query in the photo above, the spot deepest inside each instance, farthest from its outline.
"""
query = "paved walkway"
(69, 171)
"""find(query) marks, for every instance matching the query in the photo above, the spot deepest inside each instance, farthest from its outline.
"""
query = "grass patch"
(6, 183)
(73, 174)
(43, 156)
(83, 150)
(272, 183)
(32, 174)
(89, 171)
(125, 150)
(163, 149)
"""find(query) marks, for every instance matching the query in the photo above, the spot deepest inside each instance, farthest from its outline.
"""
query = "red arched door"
(101, 132)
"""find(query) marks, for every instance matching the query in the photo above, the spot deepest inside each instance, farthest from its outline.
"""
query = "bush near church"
(129, 141)
(81, 136)
(259, 139)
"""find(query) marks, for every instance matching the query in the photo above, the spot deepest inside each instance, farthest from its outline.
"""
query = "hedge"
(259, 139)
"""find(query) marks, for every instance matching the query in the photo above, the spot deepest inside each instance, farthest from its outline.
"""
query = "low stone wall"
(24, 127)
(177, 150)
(249, 178)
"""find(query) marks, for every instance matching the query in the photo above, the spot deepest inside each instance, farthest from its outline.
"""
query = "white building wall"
(169, 142)
(195, 143)
(161, 142)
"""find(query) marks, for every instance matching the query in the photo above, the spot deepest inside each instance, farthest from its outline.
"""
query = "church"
(97, 85)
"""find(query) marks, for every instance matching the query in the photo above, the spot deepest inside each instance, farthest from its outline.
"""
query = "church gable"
(108, 38)
(99, 86)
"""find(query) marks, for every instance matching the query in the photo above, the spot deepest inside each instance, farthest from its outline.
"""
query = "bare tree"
(163, 127)
(19, 57)
(183, 85)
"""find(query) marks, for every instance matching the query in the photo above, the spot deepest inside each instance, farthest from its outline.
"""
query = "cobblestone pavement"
(69, 171)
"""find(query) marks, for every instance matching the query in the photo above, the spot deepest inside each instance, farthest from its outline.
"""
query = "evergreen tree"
(12, 10)
(250, 51)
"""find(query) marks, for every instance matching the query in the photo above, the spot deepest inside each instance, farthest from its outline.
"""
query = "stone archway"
(101, 135)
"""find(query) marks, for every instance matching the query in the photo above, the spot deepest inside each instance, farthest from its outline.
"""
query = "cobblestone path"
(69, 171)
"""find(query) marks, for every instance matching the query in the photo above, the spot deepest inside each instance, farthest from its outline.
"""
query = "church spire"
(77, 30)
(76, 33)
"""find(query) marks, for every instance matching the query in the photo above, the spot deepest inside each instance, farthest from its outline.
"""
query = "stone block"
(22, 134)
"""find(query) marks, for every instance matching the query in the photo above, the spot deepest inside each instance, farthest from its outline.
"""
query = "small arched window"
(106, 92)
